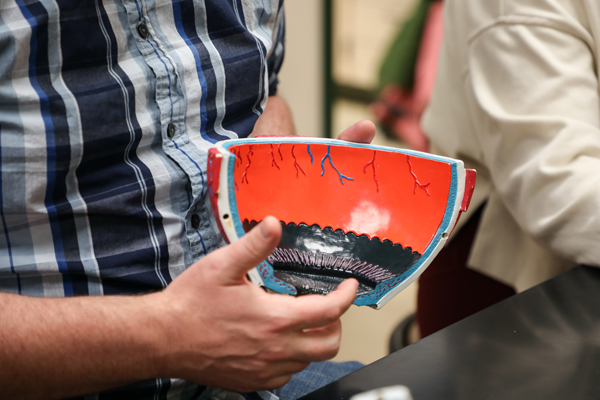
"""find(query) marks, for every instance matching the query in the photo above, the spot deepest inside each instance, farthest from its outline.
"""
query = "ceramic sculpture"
(376, 214)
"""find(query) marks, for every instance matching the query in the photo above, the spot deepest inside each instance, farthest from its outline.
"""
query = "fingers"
(316, 319)
(361, 132)
(274, 383)
(278, 374)
(315, 311)
(287, 368)
(317, 344)
(232, 262)
(270, 377)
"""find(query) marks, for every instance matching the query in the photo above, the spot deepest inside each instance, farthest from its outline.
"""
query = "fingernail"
(264, 231)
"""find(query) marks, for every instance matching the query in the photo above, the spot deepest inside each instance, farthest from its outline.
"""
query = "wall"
(301, 78)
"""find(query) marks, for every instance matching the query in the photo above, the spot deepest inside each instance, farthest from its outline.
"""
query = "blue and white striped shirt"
(107, 109)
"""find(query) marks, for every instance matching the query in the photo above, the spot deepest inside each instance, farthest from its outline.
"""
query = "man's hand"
(277, 120)
(211, 326)
(226, 332)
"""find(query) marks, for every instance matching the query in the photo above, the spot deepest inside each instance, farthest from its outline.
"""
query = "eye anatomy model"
(376, 214)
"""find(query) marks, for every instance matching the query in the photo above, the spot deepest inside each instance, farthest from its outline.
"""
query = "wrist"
(158, 332)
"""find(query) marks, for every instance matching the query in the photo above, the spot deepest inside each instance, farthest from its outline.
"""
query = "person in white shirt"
(517, 98)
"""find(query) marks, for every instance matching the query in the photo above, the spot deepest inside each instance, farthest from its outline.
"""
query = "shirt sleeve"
(275, 58)
(533, 98)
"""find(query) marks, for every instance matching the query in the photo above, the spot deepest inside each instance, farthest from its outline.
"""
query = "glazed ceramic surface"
(376, 214)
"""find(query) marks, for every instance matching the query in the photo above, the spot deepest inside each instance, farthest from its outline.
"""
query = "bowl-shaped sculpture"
(376, 214)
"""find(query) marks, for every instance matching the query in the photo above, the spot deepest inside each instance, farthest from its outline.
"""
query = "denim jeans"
(315, 376)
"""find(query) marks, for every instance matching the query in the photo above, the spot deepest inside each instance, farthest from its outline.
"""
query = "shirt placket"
(175, 140)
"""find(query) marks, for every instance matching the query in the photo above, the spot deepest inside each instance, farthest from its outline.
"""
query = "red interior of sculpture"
(383, 194)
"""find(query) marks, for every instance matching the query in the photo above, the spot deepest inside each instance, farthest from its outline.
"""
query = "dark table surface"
(541, 344)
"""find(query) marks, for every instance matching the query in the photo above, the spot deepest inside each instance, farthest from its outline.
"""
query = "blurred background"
(334, 51)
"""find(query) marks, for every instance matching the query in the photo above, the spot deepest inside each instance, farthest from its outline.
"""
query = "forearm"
(210, 326)
(427, 61)
(276, 119)
(51, 348)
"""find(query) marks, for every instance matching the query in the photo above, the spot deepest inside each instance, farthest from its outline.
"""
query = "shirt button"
(195, 221)
(143, 31)
(171, 130)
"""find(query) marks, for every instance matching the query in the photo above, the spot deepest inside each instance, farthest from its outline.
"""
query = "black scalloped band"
(315, 259)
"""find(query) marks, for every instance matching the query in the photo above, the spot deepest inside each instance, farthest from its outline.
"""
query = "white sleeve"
(533, 97)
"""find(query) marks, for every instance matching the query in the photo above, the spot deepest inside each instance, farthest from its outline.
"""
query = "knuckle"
(264, 375)
(302, 366)
(332, 314)
(276, 353)
(332, 350)
(323, 352)
(277, 382)
(259, 374)
(328, 346)
(211, 265)
(251, 246)
(246, 384)
(330, 353)
(278, 321)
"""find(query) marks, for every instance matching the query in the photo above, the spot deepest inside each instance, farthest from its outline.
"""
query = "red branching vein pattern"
(238, 156)
(245, 175)
(372, 163)
(273, 162)
(298, 167)
(417, 183)
(279, 150)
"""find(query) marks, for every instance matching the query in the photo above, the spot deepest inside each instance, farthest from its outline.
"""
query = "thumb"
(232, 262)
(361, 132)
